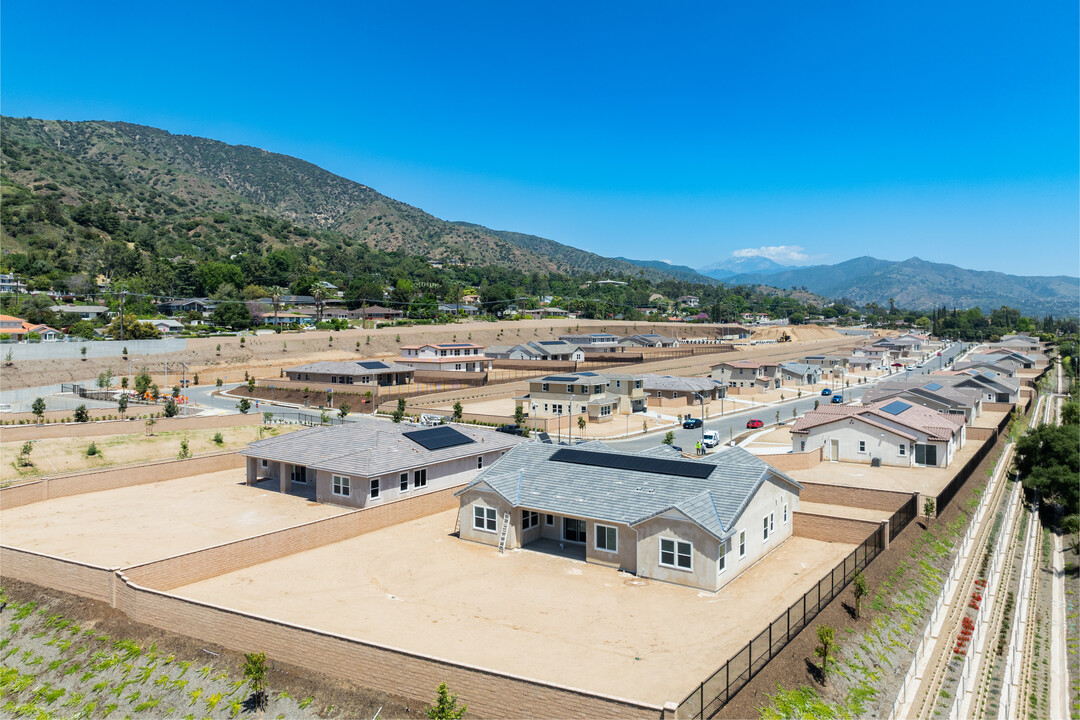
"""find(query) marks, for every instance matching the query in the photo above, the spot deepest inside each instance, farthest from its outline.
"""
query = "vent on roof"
(373, 365)
(895, 407)
(635, 463)
(438, 438)
(933, 386)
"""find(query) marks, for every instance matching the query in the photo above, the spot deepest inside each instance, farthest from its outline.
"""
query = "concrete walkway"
(1059, 663)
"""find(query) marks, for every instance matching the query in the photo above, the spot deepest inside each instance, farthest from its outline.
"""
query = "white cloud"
(783, 254)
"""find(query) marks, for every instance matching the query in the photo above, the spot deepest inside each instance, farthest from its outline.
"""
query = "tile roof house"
(965, 402)
(889, 432)
(747, 374)
(367, 464)
(693, 522)
(375, 312)
(352, 372)
(13, 329)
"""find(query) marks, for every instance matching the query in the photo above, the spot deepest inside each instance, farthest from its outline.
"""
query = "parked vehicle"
(691, 423)
(826, 391)
(837, 399)
(509, 429)
(755, 423)
(711, 438)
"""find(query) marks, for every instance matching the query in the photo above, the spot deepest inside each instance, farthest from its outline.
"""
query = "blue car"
(826, 391)
(837, 399)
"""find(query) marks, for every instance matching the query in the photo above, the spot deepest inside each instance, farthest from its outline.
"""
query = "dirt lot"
(60, 455)
(416, 587)
(927, 481)
(116, 528)
(265, 354)
(989, 419)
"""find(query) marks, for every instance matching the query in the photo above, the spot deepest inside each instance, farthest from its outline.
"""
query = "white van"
(711, 438)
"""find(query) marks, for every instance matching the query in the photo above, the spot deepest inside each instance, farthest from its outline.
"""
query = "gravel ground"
(64, 656)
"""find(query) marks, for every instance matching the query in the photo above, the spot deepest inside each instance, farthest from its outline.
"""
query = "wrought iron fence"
(903, 516)
(715, 692)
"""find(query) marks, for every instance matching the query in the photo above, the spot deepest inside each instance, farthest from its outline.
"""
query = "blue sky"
(947, 131)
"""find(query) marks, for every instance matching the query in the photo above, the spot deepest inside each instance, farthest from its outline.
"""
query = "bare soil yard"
(416, 587)
(117, 528)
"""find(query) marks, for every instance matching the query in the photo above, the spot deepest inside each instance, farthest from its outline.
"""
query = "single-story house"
(693, 522)
(556, 350)
(168, 326)
(358, 372)
(185, 305)
(688, 300)
(591, 340)
(289, 318)
(800, 373)
(992, 388)
(649, 340)
(362, 464)
(86, 312)
(889, 432)
(668, 391)
(375, 312)
(965, 402)
(461, 357)
(1018, 343)
(997, 367)
(546, 312)
(458, 309)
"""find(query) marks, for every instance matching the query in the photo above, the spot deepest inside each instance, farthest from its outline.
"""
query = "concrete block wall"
(794, 461)
(111, 479)
(20, 433)
(886, 500)
(833, 529)
(198, 565)
(68, 576)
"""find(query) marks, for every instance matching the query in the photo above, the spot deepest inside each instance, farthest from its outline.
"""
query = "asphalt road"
(733, 425)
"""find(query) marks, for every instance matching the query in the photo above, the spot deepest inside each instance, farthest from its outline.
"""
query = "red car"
(754, 424)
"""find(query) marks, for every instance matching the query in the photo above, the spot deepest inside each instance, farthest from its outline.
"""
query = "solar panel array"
(438, 438)
(372, 365)
(551, 342)
(455, 344)
(896, 407)
(636, 463)
(933, 386)
(561, 378)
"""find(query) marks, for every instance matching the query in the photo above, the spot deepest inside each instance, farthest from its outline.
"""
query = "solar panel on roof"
(896, 407)
(551, 342)
(588, 374)
(933, 386)
(438, 438)
(560, 378)
(373, 365)
(636, 463)
(455, 344)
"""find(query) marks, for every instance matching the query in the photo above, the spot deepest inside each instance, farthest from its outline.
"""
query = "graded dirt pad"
(926, 481)
(416, 587)
(989, 419)
(117, 528)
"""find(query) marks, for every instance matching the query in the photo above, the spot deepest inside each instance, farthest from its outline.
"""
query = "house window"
(556, 408)
(264, 462)
(765, 529)
(549, 520)
(457, 366)
(618, 383)
(341, 485)
(544, 388)
(772, 524)
(607, 538)
(403, 482)
(903, 449)
(374, 489)
(676, 554)
(479, 462)
(419, 478)
(721, 562)
(862, 446)
(802, 446)
(529, 519)
(573, 530)
(605, 410)
(742, 544)
(785, 513)
(484, 518)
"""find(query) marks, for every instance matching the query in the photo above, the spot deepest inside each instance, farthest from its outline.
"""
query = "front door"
(573, 530)
(834, 448)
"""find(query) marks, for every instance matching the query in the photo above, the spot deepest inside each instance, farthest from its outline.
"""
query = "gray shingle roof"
(351, 367)
(527, 477)
(364, 450)
(683, 384)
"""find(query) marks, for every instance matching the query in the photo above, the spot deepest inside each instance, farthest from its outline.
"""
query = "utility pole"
(123, 296)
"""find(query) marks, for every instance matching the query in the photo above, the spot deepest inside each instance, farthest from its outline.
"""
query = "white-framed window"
(903, 449)
(862, 446)
(785, 513)
(479, 462)
(721, 562)
(549, 520)
(374, 491)
(556, 408)
(605, 410)
(341, 485)
(264, 462)
(765, 529)
(802, 446)
(529, 519)
(484, 518)
(772, 523)
(742, 544)
(544, 388)
(607, 538)
(403, 482)
(676, 554)
(419, 478)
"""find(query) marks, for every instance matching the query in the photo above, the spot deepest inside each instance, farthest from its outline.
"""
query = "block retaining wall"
(794, 461)
(886, 500)
(20, 433)
(833, 529)
(111, 479)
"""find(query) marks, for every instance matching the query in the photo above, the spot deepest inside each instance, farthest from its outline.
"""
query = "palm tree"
(275, 299)
(318, 293)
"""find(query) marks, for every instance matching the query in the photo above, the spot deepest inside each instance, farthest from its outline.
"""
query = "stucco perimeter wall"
(210, 562)
(979, 435)
(141, 474)
(19, 433)
(795, 461)
(833, 529)
(52, 572)
(488, 693)
(885, 500)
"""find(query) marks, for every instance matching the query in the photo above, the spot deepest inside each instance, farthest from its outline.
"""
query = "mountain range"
(184, 181)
